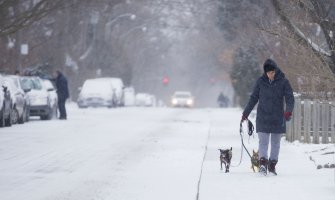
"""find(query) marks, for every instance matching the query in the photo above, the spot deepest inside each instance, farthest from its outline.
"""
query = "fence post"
(307, 121)
(297, 120)
(325, 122)
(332, 124)
(315, 121)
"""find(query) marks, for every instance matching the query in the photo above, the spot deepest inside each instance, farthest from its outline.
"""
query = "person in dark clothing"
(222, 100)
(271, 92)
(62, 93)
(17, 73)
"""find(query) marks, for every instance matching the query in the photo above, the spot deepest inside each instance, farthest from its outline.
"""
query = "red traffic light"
(165, 80)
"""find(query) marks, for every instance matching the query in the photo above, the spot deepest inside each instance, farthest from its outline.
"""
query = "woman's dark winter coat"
(270, 96)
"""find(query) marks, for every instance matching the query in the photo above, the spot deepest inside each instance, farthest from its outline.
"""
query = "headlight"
(174, 101)
(189, 102)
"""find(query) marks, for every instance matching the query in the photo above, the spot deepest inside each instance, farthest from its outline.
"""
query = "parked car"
(129, 96)
(182, 99)
(140, 99)
(52, 96)
(145, 99)
(101, 92)
(151, 100)
(20, 102)
(118, 87)
(26, 87)
(5, 105)
(40, 104)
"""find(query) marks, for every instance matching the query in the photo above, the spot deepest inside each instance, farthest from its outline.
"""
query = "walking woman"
(271, 92)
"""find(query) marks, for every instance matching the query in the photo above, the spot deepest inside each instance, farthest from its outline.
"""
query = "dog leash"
(250, 133)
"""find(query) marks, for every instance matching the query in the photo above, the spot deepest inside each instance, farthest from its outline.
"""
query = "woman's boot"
(272, 166)
(263, 165)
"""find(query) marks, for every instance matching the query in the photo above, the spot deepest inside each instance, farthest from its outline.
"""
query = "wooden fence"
(312, 122)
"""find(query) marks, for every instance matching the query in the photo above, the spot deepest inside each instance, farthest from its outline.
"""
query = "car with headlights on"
(182, 99)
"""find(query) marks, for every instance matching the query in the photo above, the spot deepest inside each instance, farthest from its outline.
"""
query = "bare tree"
(304, 33)
(18, 14)
(318, 12)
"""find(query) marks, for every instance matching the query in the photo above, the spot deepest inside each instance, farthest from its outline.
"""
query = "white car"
(141, 99)
(40, 104)
(129, 96)
(101, 92)
(145, 99)
(118, 87)
(182, 99)
(151, 100)
(20, 101)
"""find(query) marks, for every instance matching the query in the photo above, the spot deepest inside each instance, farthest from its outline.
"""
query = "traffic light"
(212, 81)
(165, 80)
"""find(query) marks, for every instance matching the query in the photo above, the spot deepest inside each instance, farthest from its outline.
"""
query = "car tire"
(48, 116)
(27, 115)
(21, 119)
(8, 121)
(54, 112)
(14, 116)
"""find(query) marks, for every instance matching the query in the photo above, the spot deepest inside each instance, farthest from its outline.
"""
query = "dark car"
(5, 105)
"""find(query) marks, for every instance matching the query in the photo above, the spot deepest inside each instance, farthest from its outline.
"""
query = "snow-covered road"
(147, 154)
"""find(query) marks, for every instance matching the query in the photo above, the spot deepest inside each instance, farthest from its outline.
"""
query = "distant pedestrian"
(271, 92)
(222, 100)
(17, 73)
(62, 93)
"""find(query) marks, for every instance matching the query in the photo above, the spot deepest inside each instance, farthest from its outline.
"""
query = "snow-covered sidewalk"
(297, 177)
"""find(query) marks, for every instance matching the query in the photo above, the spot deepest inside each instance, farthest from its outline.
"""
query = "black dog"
(225, 157)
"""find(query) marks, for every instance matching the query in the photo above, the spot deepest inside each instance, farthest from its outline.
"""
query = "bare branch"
(12, 22)
(300, 37)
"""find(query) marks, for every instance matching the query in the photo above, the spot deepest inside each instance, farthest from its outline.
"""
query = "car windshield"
(32, 83)
(182, 95)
